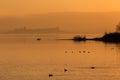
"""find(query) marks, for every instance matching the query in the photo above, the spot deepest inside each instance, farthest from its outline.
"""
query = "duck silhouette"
(50, 75)
(92, 67)
(65, 70)
(38, 39)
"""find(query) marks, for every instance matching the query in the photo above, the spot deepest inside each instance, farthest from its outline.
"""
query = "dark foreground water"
(22, 57)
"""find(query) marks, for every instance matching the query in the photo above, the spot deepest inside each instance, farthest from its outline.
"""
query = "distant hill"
(82, 22)
(34, 31)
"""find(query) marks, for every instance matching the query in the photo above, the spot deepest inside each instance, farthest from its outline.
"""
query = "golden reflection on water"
(30, 59)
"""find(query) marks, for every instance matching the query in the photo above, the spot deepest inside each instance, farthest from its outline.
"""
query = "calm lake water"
(22, 57)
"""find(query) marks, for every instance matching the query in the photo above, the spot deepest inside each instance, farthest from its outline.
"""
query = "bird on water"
(38, 39)
(65, 70)
(92, 67)
(50, 75)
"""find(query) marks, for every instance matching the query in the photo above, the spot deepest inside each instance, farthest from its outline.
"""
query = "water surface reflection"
(25, 58)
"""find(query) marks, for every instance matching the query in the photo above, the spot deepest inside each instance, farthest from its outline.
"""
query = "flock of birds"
(65, 70)
(78, 51)
(50, 75)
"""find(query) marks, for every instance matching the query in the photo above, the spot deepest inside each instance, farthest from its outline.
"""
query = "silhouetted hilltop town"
(113, 37)
(110, 37)
(34, 31)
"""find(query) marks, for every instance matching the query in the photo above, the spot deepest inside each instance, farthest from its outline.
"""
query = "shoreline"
(108, 38)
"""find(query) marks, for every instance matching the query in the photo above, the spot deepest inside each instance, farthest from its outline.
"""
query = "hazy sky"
(21, 7)
(76, 15)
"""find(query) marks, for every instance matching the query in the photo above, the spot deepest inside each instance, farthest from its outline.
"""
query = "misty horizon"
(60, 39)
(84, 22)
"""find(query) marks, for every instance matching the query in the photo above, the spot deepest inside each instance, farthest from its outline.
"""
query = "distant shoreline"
(110, 37)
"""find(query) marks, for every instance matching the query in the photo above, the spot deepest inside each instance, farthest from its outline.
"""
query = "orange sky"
(99, 15)
(23, 7)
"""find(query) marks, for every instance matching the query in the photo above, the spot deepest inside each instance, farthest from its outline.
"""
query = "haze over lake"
(77, 22)
(23, 57)
(59, 39)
